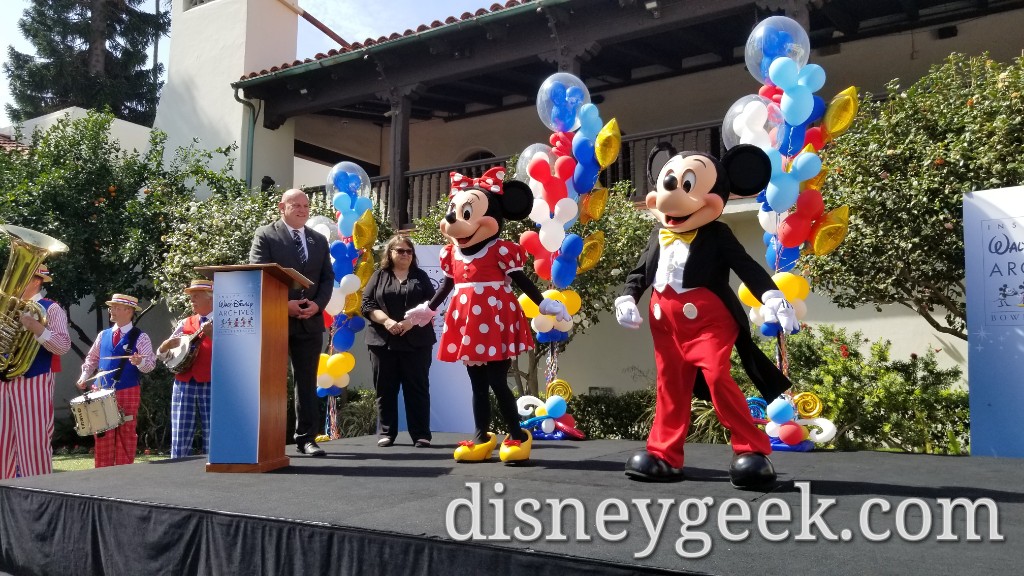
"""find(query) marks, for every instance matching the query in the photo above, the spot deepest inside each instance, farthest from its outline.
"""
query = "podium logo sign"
(1003, 257)
(236, 313)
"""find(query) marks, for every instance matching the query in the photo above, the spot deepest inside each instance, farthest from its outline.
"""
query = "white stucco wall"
(130, 136)
(214, 45)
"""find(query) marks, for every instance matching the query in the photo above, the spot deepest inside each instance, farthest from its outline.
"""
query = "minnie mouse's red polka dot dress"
(484, 321)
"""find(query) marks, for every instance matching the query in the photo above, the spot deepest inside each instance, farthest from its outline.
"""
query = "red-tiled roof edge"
(7, 143)
(356, 46)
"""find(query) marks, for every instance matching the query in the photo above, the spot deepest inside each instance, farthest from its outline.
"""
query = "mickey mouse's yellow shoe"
(469, 451)
(515, 450)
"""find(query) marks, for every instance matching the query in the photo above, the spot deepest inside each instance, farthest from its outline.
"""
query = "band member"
(191, 390)
(26, 401)
(128, 353)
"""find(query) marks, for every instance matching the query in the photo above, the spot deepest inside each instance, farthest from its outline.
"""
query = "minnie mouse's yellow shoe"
(469, 451)
(515, 450)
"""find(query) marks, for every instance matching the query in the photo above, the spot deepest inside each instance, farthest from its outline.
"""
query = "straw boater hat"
(200, 285)
(44, 272)
(125, 300)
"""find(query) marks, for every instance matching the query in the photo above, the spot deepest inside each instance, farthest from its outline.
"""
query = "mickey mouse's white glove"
(549, 307)
(626, 312)
(420, 315)
(777, 309)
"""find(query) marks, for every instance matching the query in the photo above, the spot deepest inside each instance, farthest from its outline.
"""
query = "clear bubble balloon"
(559, 101)
(349, 178)
(773, 38)
(523, 163)
(753, 120)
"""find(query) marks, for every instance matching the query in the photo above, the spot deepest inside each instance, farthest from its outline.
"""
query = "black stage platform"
(370, 510)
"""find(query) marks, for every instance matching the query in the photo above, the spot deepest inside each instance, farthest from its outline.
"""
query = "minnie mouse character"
(696, 319)
(484, 327)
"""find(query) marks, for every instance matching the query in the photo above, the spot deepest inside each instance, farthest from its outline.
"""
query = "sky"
(353, 20)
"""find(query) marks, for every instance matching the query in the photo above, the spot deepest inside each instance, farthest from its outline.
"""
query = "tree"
(112, 208)
(903, 169)
(626, 230)
(91, 54)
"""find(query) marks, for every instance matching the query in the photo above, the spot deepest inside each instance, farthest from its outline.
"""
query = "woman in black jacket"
(400, 352)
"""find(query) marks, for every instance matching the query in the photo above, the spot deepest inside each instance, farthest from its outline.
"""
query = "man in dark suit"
(291, 244)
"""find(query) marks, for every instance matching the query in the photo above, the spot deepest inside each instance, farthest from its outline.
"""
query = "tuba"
(18, 347)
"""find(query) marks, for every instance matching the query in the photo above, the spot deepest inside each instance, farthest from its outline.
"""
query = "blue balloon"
(334, 391)
(356, 323)
(347, 182)
(587, 167)
(791, 138)
(544, 337)
(780, 258)
(770, 329)
(780, 411)
(572, 246)
(559, 336)
(361, 205)
(343, 340)
(322, 392)
(341, 200)
(555, 406)
(563, 272)
(818, 112)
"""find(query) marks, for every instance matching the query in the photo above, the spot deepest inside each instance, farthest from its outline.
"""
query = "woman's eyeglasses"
(402, 251)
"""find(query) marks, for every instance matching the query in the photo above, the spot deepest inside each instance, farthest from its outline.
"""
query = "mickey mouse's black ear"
(748, 168)
(516, 200)
(656, 160)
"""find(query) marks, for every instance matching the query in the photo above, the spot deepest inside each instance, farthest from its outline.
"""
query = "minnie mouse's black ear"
(748, 169)
(656, 160)
(516, 200)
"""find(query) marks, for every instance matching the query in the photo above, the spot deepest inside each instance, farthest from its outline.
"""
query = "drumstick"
(115, 357)
(99, 375)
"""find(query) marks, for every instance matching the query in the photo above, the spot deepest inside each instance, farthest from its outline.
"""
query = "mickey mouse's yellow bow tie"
(667, 236)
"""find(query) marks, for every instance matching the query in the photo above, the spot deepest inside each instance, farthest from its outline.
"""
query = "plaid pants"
(26, 426)
(117, 446)
(186, 397)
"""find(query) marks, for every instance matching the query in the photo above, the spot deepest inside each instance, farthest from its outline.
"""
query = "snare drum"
(96, 412)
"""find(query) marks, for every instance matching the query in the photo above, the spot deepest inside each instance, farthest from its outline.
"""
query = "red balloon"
(794, 230)
(773, 93)
(815, 137)
(561, 143)
(810, 205)
(328, 320)
(791, 433)
(542, 266)
(530, 241)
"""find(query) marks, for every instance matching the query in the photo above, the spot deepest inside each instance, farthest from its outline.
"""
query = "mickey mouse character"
(484, 326)
(696, 319)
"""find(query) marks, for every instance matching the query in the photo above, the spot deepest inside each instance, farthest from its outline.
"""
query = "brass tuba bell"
(18, 346)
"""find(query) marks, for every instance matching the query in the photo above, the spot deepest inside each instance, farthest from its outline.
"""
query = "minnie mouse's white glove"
(626, 312)
(421, 315)
(549, 307)
(777, 309)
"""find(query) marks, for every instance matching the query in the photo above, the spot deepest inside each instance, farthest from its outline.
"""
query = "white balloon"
(551, 235)
(349, 283)
(800, 308)
(526, 404)
(769, 220)
(565, 210)
(828, 429)
(771, 429)
(540, 213)
(342, 381)
(527, 155)
(543, 323)
(325, 381)
(337, 302)
(563, 326)
(548, 426)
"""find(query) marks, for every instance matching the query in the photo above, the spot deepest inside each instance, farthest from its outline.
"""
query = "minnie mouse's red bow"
(491, 181)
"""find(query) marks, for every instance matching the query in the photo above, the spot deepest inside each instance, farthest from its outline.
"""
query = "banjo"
(180, 352)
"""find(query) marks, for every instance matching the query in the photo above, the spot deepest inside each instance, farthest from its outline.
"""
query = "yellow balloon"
(815, 182)
(321, 367)
(554, 295)
(747, 298)
(592, 205)
(793, 287)
(336, 366)
(559, 387)
(348, 362)
(363, 272)
(572, 301)
(364, 232)
(353, 303)
(840, 112)
(530, 309)
(593, 246)
(608, 144)
(830, 230)
(540, 411)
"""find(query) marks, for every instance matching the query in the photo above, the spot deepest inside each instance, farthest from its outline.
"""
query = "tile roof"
(8, 144)
(357, 46)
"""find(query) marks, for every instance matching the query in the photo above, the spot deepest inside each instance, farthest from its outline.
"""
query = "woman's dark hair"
(387, 263)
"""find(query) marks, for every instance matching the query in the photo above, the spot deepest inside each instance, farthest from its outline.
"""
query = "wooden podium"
(249, 398)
